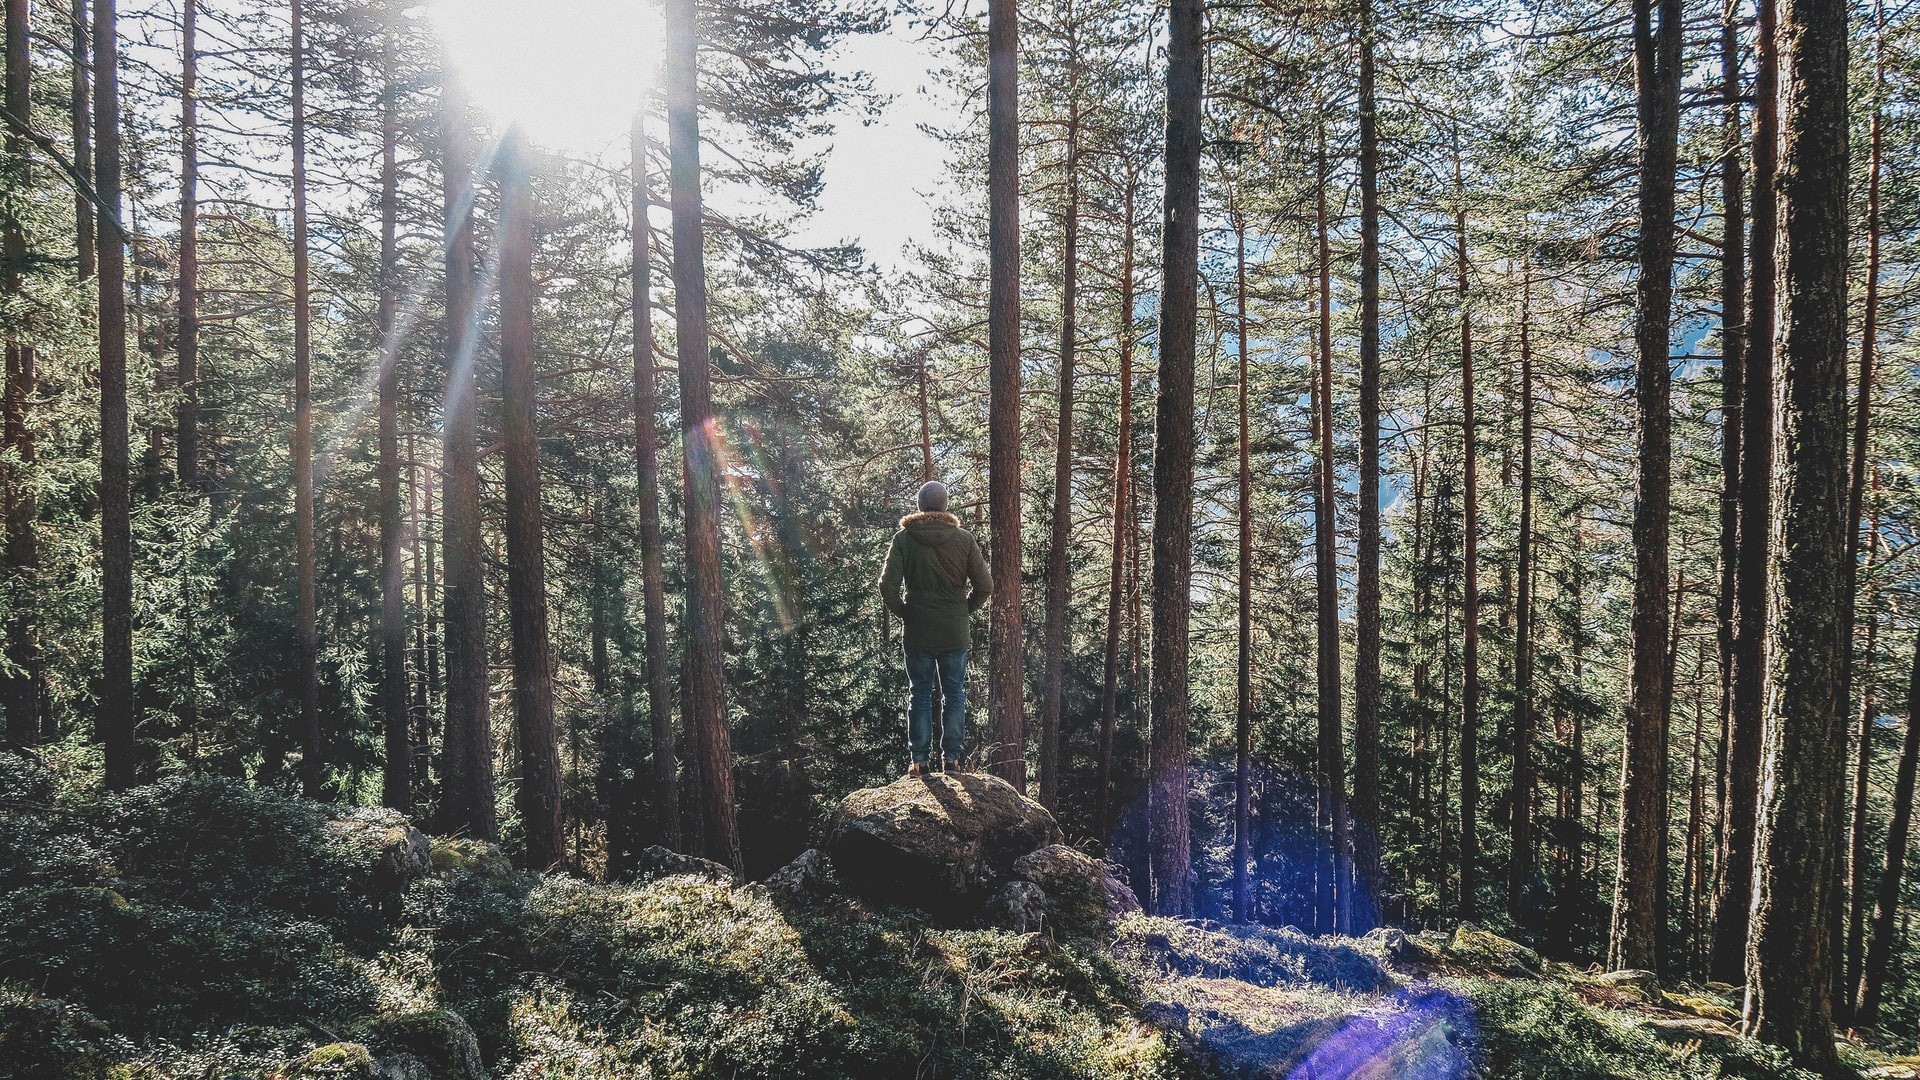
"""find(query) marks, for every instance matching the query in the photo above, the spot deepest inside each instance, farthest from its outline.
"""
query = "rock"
(1707, 1007)
(940, 843)
(478, 857)
(1394, 943)
(395, 853)
(1019, 906)
(1642, 984)
(1711, 1034)
(437, 1039)
(1486, 951)
(803, 881)
(1082, 894)
(657, 862)
(333, 1061)
(1168, 1016)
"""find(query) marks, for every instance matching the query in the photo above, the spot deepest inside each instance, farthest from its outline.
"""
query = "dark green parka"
(936, 560)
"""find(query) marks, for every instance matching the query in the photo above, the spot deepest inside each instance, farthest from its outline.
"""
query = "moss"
(332, 1061)
(1701, 1006)
(462, 856)
(1485, 952)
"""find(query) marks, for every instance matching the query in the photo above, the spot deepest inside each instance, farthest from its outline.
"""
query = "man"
(946, 581)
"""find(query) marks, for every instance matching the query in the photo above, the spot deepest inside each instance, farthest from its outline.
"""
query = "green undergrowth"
(203, 928)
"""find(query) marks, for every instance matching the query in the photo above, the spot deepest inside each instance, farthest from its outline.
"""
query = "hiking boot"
(918, 768)
(952, 765)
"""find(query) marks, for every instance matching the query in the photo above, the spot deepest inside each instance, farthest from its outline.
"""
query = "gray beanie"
(932, 496)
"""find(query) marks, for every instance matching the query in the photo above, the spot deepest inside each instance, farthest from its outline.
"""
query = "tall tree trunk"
(704, 684)
(1733, 896)
(646, 450)
(1886, 903)
(1366, 664)
(116, 539)
(187, 435)
(1326, 574)
(1122, 513)
(466, 762)
(87, 261)
(1469, 575)
(1789, 961)
(1856, 514)
(1007, 742)
(1522, 866)
(19, 690)
(1858, 897)
(1243, 660)
(397, 777)
(1634, 940)
(1059, 586)
(539, 789)
(312, 767)
(1173, 465)
(1733, 340)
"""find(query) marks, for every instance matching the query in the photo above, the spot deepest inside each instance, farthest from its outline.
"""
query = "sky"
(562, 68)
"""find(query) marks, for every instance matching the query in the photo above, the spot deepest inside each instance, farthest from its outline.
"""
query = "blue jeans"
(950, 668)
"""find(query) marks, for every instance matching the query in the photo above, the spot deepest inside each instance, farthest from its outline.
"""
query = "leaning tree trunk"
(1789, 961)
(1366, 663)
(646, 451)
(1733, 892)
(704, 682)
(539, 789)
(397, 776)
(1173, 466)
(1640, 881)
(1060, 527)
(312, 767)
(1007, 741)
(116, 539)
(466, 760)
(19, 688)
(1122, 524)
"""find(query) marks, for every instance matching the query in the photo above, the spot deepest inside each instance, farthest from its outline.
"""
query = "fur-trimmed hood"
(932, 528)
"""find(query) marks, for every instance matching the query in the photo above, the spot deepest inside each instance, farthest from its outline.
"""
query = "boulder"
(1019, 906)
(657, 862)
(1710, 1034)
(1644, 985)
(434, 1042)
(1395, 944)
(1082, 893)
(477, 857)
(333, 1061)
(803, 881)
(394, 853)
(1485, 951)
(941, 843)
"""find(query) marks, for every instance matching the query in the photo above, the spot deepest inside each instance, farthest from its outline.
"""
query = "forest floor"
(203, 928)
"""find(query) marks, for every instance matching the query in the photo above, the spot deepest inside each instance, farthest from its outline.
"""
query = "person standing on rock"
(945, 581)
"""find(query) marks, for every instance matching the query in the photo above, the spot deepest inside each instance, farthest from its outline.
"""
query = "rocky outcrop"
(942, 843)
(657, 862)
(806, 880)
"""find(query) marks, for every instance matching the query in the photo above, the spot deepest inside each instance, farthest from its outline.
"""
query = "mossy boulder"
(657, 862)
(1082, 894)
(437, 1039)
(332, 1061)
(1638, 984)
(457, 855)
(941, 843)
(1488, 953)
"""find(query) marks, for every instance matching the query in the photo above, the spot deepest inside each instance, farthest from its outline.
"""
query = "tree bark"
(20, 689)
(397, 776)
(1523, 863)
(312, 765)
(1059, 586)
(466, 769)
(1858, 898)
(646, 451)
(539, 788)
(1173, 465)
(1886, 904)
(1640, 882)
(116, 540)
(1006, 747)
(1733, 339)
(1366, 664)
(1326, 580)
(704, 682)
(87, 260)
(1789, 961)
(1733, 896)
(1122, 515)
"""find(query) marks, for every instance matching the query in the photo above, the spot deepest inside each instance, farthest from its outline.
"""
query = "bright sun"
(570, 72)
